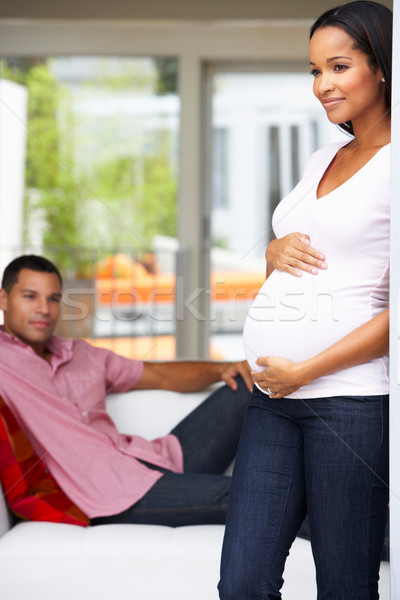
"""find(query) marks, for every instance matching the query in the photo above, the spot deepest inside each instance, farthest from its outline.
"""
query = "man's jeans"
(327, 457)
(209, 438)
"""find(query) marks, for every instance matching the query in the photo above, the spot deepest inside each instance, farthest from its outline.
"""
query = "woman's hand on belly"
(292, 254)
(280, 377)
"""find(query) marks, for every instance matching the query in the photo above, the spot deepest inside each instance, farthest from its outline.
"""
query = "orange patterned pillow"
(31, 492)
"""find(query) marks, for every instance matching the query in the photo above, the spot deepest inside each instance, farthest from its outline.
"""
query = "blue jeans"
(325, 457)
(209, 437)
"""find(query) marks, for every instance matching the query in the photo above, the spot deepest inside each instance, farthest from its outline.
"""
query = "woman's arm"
(365, 343)
(293, 253)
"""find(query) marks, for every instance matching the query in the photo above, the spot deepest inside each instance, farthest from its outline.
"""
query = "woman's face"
(344, 82)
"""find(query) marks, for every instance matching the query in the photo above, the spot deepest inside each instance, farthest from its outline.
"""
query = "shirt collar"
(61, 348)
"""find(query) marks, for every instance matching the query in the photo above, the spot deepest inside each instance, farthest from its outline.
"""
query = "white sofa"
(47, 561)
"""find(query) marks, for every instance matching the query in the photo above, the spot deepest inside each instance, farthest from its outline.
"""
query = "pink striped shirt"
(61, 407)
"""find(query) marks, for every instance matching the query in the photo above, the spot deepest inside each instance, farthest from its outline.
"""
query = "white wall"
(395, 322)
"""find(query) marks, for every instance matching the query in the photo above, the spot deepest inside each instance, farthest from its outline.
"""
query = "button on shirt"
(61, 407)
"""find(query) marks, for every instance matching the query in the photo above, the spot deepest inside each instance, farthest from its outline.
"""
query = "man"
(56, 389)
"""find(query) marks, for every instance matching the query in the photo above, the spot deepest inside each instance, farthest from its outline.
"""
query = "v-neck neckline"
(350, 178)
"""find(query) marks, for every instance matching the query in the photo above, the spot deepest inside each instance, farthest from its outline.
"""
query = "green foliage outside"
(110, 203)
(137, 207)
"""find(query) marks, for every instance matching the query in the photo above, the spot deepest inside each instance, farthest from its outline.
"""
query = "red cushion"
(31, 492)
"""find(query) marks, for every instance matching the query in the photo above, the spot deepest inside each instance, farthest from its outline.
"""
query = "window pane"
(220, 177)
(101, 187)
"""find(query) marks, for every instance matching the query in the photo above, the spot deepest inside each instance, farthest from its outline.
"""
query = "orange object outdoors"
(142, 287)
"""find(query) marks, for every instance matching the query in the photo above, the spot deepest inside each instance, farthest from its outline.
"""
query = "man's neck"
(47, 356)
(42, 351)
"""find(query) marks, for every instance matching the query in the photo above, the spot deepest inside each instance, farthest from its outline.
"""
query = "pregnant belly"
(299, 317)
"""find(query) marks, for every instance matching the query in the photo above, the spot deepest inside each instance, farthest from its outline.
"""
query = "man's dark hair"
(27, 261)
(370, 25)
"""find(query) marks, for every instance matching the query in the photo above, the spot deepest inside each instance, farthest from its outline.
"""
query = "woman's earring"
(383, 80)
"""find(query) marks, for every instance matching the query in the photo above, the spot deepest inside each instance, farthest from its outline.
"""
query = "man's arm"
(361, 345)
(190, 376)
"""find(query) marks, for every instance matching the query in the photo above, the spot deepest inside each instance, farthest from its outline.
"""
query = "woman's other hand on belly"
(280, 376)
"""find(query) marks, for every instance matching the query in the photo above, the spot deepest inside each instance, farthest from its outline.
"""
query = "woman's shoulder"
(327, 151)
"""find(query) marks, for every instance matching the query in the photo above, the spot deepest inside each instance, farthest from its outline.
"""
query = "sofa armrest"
(5, 514)
(152, 413)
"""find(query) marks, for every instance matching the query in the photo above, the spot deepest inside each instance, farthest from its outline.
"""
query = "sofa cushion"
(31, 492)
(129, 562)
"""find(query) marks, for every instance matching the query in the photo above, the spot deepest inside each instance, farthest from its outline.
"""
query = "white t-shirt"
(298, 317)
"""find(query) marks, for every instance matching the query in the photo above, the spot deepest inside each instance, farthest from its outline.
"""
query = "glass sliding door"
(264, 126)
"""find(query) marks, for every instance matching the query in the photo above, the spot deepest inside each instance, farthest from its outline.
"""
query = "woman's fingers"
(293, 254)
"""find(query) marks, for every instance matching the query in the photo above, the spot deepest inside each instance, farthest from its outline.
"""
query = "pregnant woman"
(315, 439)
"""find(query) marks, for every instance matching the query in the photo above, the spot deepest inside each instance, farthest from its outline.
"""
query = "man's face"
(32, 307)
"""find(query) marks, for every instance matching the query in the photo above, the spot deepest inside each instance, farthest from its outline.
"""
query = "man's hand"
(280, 377)
(232, 370)
(293, 254)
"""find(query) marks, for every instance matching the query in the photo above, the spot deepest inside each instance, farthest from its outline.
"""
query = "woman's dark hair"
(370, 25)
(27, 261)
